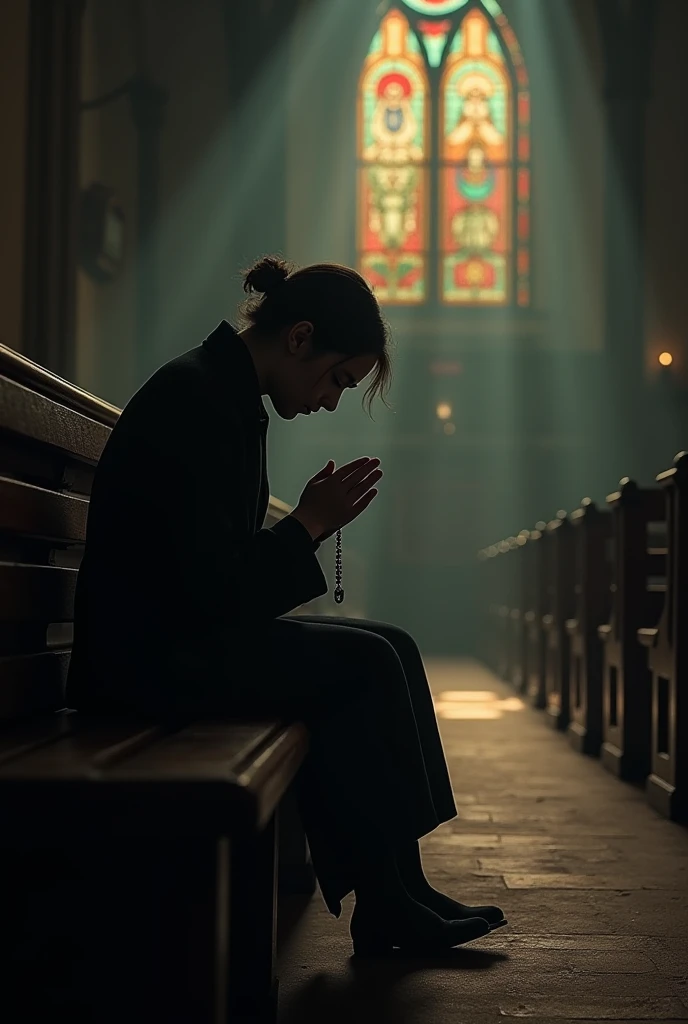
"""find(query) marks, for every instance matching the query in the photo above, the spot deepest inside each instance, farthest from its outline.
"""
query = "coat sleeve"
(232, 573)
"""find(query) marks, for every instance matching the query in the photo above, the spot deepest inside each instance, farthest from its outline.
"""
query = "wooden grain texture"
(37, 512)
(128, 778)
(18, 368)
(30, 415)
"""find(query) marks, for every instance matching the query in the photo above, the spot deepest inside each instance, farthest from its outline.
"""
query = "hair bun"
(266, 274)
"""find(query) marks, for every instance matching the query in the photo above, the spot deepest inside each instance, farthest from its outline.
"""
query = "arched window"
(444, 157)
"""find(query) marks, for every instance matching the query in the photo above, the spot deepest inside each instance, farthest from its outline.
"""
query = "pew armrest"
(648, 637)
(604, 632)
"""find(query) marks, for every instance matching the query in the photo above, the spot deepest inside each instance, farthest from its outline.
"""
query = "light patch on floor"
(474, 704)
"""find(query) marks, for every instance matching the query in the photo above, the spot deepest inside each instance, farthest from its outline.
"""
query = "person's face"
(306, 382)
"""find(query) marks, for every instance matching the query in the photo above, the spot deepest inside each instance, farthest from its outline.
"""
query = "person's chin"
(285, 412)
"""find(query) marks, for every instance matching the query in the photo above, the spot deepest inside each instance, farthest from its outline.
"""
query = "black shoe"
(452, 910)
(378, 934)
(493, 915)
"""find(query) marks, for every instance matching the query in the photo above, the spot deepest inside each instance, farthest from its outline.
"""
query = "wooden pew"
(125, 847)
(506, 583)
(517, 636)
(489, 578)
(592, 539)
(559, 604)
(535, 572)
(638, 588)
(667, 643)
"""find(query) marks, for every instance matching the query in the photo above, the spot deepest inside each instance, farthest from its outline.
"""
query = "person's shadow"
(373, 993)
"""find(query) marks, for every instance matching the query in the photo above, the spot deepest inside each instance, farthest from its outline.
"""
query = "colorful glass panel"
(485, 176)
(476, 185)
(434, 34)
(435, 6)
(479, 176)
(493, 7)
(393, 153)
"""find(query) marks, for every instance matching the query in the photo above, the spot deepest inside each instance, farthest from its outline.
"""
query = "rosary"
(338, 590)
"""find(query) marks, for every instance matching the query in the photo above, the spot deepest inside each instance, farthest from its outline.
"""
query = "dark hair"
(338, 302)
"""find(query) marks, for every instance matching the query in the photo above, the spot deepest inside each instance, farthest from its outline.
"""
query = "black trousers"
(376, 774)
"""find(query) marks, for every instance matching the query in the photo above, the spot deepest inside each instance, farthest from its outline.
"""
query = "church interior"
(509, 176)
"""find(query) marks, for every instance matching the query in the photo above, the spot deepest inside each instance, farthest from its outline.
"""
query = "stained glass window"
(444, 214)
(435, 6)
(393, 174)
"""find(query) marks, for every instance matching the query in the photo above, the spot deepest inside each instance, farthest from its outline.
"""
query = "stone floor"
(594, 883)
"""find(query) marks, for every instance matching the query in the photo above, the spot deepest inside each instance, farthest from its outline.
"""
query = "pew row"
(127, 847)
(598, 602)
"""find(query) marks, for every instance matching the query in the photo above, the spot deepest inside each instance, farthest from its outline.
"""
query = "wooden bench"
(638, 587)
(507, 550)
(517, 610)
(559, 604)
(535, 571)
(127, 848)
(487, 587)
(667, 643)
(497, 586)
(592, 541)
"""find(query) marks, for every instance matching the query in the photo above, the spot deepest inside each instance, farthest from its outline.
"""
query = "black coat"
(178, 577)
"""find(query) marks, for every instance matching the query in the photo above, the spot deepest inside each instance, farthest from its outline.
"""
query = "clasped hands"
(335, 497)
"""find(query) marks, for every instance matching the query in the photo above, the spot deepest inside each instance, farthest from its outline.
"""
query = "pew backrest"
(52, 434)
(639, 558)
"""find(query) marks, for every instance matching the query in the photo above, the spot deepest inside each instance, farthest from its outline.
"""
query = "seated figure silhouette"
(200, 625)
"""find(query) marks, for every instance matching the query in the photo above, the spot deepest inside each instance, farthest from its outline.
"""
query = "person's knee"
(401, 640)
(371, 663)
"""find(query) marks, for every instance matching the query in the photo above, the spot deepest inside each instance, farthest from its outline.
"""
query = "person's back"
(142, 611)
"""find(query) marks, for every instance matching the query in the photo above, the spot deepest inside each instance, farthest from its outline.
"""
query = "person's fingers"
(362, 504)
(350, 467)
(323, 473)
(354, 478)
(361, 488)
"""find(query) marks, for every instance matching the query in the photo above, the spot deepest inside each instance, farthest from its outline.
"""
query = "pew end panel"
(592, 601)
(560, 607)
(667, 783)
(535, 635)
(638, 517)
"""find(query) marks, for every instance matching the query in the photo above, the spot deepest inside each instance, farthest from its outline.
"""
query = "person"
(197, 622)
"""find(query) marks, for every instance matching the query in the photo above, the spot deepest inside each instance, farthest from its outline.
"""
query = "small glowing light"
(444, 411)
(665, 358)
(450, 428)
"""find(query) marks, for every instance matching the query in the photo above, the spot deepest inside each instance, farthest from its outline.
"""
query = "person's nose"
(330, 402)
